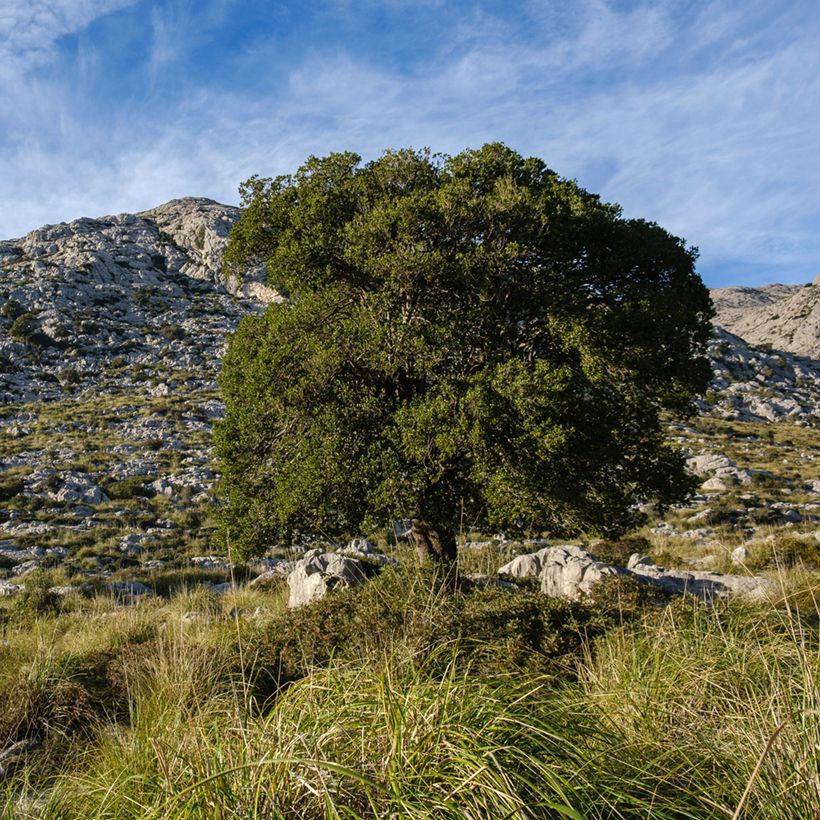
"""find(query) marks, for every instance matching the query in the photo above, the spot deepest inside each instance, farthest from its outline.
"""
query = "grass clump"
(412, 697)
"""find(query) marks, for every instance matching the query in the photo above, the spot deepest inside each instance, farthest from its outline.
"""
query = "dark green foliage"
(23, 327)
(12, 309)
(172, 332)
(36, 598)
(69, 376)
(470, 340)
(10, 487)
(131, 487)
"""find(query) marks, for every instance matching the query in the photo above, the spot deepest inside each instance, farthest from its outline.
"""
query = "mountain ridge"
(147, 290)
(786, 317)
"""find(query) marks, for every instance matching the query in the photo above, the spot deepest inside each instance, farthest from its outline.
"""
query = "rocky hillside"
(784, 317)
(111, 335)
(106, 304)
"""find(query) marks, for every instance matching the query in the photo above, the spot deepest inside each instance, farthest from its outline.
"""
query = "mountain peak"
(786, 317)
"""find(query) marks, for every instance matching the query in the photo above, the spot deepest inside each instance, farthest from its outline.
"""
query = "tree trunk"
(431, 543)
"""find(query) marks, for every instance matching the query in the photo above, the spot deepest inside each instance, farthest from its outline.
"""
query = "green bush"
(131, 487)
(23, 327)
(12, 309)
(413, 612)
(10, 487)
(36, 599)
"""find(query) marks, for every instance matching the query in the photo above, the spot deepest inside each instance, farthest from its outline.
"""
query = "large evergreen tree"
(466, 341)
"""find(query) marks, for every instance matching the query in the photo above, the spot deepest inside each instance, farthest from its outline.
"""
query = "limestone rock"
(706, 585)
(9, 590)
(525, 566)
(130, 590)
(718, 466)
(318, 573)
(572, 572)
(786, 317)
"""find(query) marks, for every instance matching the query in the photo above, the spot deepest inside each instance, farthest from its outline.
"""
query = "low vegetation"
(406, 698)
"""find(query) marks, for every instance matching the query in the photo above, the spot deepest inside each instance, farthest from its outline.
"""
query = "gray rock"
(9, 590)
(524, 566)
(706, 585)
(26, 566)
(740, 555)
(714, 485)
(571, 572)
(274, 576)
(318, 573)
(211, 562)
(130, 590)
(132, 544)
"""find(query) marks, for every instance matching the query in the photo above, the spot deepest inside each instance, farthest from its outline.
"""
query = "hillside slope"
(785, 317)
(111, 336)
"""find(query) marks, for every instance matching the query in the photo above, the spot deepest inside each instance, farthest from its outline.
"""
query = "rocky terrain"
(784, 317)
(111, 334)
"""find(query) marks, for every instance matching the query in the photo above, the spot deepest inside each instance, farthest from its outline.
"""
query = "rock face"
(319, 572)
(755, 384)
(571, 572)
(787, 317)
(142, 289)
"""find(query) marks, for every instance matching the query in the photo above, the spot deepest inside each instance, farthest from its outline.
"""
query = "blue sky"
(702, 115)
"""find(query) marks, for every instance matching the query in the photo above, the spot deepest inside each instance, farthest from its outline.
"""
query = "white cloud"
(30, 28)
(709, 130)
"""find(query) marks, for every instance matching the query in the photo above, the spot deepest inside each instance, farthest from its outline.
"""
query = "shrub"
(131, 487)
(618, 552)
(36, 599)
(23, 327)
(10, 487)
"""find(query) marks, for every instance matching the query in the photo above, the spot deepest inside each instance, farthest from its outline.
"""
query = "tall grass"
(479, 705)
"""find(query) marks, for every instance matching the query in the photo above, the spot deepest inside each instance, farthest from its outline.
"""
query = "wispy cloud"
(30, 28)
(700, 117)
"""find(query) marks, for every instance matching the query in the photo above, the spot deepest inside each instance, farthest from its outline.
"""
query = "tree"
(466, 341)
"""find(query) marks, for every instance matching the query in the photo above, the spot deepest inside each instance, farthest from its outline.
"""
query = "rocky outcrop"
(718, 470)
(786, 317)
(567, 571)
(319, 572)
(571, 572)
(90, 304)
(755, 384)
(705, 585)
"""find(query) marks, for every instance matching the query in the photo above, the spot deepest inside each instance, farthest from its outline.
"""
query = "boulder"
(318, 573)
(129, 590)
(572, 572)
(524, 566)
(9, 590)
(706, 585)
(712, 465)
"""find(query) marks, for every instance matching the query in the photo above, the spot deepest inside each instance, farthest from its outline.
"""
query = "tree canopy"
(467, 341)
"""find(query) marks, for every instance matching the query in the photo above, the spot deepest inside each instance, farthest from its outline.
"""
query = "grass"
(403, 699)
(406, 699)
